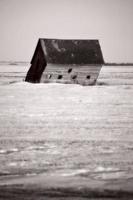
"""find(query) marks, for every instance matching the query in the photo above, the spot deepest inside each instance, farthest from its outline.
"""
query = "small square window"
(70, 70)
(50, 76)
(74, 77)
(60, 76)
(88, 77)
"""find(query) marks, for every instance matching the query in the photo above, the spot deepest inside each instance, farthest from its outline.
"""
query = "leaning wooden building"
(66, 61)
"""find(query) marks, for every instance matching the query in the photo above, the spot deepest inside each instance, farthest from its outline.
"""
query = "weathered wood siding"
(78, 74)
(38, 65)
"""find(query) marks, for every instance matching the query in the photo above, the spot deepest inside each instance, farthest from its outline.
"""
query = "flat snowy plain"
(61, 141)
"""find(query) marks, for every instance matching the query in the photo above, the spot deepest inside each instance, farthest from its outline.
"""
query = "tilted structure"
(66, 61)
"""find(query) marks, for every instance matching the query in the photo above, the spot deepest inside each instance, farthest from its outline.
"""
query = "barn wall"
(78, 74)
(37, 66)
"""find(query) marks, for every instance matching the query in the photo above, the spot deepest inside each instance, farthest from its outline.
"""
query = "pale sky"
(22, 22)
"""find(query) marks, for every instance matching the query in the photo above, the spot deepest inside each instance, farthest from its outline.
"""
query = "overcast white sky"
(22, 22)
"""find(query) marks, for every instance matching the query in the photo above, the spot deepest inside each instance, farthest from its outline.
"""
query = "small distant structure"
(66, 61)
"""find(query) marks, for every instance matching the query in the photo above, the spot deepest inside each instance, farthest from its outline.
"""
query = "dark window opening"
(88, 77)
(70, 70)
(50, 76)
(60, 76)
(74, 77)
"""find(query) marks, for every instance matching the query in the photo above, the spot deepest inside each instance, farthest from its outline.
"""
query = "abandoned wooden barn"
(66, 61)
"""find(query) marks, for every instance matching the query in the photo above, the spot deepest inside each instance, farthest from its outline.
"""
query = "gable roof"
(66, 51)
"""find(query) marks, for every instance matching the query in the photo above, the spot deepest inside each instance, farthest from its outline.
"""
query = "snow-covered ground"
(79, 134)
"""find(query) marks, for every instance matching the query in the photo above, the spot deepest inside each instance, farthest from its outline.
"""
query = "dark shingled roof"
(60, 51)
